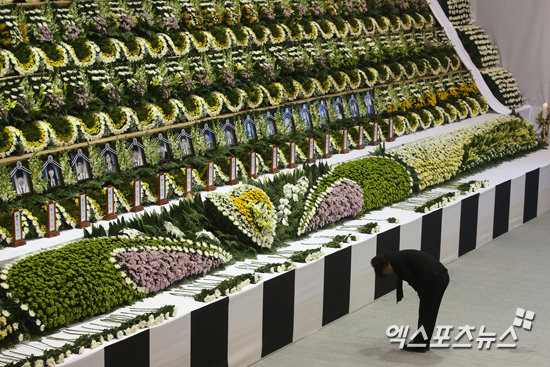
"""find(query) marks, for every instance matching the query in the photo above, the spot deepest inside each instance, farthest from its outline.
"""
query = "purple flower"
(401, 4)
(73, 31)
(25, 104)
(172, 22)
(137, 87)
(45, 34)
(157, 269)
(269, 13)
(317, 10)
(82, 96)
(187, 84)
(268, 72)
(302, 9)
(227, 77)
(100, 24)
(287, 64)
(203, 78)
(321, 61)
(163, 89)
(286, 11)
(145, 15)
(55, 101)
(345, 200)
(363, 7)
(126, 22)
(349, 6)
(246, 73)
(3, 115)
(113, 94)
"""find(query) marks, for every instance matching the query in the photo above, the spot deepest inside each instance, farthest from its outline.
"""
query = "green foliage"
(339, 241)
(306, 256)
(124, 156)
(369, 228)
(152, 154)
(7, 193)
(69, 178)
(227, 287)
(39, 183)
(97, 162)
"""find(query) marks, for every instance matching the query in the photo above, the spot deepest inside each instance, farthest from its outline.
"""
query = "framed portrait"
(163, 146)
(368, 99)
(323, 111)
(138, 153)
(185, 144)
(20, 176)
(81, 165)
(110, 158)
(51, 171)
(229, 131)
(269, 120)
(338, 105)
(208, 135)
(305, 114)
(249, 125)
(287, 118)
(353, 106)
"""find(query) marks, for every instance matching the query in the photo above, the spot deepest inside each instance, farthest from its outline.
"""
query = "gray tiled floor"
(487, 286)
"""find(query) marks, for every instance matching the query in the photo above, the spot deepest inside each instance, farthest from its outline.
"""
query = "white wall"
(518, 28)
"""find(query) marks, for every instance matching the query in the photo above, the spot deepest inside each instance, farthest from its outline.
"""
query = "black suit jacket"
(418, 268)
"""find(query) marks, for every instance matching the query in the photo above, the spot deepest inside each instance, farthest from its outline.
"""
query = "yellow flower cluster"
(405, 105)
(431, 99)
(159, 47)
(88, 56)
(391, 108)
(246, 203)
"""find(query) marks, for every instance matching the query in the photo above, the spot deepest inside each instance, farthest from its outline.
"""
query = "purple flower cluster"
(268, 72)
(269, 13)
(321, 61)
(286, 11)
(172, 22)
(25, 104)
(137, 88)
(126, 22)
(345, 200)
(163, 89)
(401, 4)
(317, 10)
(55, 101)
(45, 34)
(246, 73)
(363, 7)
(301, 63)
(113, 94)
(145, 15)
(156, 270)
(227, 77)
(203, 78)
(187, 84)
(287, 64)
(100, 24)
(73, 31)
(349, 6)
(82, 96)
(302, 9)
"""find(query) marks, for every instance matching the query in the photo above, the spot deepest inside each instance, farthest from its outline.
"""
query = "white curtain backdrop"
(518, 28)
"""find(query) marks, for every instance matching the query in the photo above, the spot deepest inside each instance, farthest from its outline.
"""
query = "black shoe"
(416, 349)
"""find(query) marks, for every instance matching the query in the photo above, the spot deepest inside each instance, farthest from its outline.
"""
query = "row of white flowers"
(487, 50)
(506, 90)
(459, 11)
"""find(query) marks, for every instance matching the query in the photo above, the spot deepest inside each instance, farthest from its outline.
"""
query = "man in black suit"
(427, 276)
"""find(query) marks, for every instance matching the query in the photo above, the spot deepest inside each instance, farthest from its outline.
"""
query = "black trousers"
(430, 300)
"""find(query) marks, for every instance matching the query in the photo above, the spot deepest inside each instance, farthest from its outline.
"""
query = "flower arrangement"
(476, 42)
(438, 202)
(227, 287)
(458, 11)
(340, 241)
(307, 256)
(276, 267)
(367, 173)
(473, 186)
(247, 212)
(503, 86)
(369, 228)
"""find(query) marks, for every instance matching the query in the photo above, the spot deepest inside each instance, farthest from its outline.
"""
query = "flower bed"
(503, 86)
(437, 159)
(90, 277)
(381, 180)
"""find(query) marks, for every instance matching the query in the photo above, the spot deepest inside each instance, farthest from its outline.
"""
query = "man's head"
(80, 165)
(184, 143)
(381, 264)
(108, 160)
(135, 152)
(161, 148)
(20, 178)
